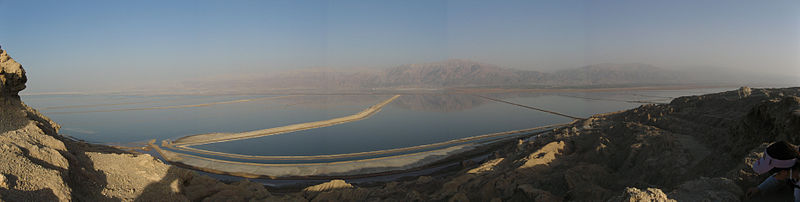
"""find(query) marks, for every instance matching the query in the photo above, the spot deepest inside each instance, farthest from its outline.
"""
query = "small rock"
(333, 184)
(634, 194)
(3, 183)
(414, 196)
(459, 197)
(486, 167)
(537, 194)
(545, 155)
(708, 189)
(424, 179)
(744, 92)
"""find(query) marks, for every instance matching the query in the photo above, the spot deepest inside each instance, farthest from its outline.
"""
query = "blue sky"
(73, 45)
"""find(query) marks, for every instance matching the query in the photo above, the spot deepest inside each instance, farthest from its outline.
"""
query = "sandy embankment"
(348, 168)
(340, 168)
(362, 154)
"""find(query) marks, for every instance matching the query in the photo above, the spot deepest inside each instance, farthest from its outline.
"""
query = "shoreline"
(357, 154)
(454, 154)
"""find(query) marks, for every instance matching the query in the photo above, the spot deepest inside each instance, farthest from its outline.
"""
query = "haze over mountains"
(457, 73)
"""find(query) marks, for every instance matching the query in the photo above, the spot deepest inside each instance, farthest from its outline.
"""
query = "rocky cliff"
(696, 148)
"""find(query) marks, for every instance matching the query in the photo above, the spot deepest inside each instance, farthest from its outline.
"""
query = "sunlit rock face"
(35, 162)
(12, 76)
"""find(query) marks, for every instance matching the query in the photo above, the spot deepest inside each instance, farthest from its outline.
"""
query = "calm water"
(142, 125)
(408, 121)
(395, 127)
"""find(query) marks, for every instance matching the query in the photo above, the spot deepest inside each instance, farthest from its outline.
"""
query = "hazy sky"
(77, 45)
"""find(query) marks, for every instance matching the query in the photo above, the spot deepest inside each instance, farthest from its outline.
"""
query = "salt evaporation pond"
(410, 120)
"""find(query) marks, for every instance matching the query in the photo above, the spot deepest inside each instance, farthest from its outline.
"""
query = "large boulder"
(632, 194)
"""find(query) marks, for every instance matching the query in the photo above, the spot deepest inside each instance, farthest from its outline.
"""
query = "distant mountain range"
(456, 73)
(616, 74)
(463, 73)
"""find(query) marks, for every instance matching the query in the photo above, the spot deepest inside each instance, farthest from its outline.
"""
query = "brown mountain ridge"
(455, 73)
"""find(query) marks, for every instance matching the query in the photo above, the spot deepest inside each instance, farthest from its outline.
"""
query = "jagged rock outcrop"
(650, 194)
(703, 189)
(544, 156)
(35, 162)
(12, 76)
(333, 184)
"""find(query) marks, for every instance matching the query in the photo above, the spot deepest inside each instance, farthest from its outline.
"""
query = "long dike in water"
(224, 137)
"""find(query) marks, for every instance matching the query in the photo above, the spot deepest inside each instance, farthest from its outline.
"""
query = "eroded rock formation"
(12, 76)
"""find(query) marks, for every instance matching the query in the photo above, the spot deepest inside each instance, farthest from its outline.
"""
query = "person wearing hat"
(780, 159)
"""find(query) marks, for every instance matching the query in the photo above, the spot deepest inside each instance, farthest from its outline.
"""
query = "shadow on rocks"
(6, 194)
(12, 117)
(169, 188)
(184, 185)
(86, 181)
(13, 195)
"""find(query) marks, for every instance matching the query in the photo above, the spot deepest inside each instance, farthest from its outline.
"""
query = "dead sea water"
(410, 120)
